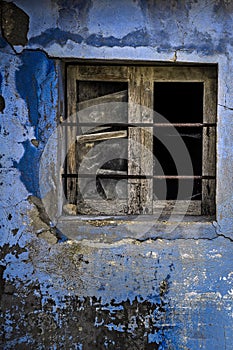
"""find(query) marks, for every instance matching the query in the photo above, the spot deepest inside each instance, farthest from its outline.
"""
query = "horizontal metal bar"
(195, 177)
(184, 125)
(106, 124)
(141, 124)
(126, 176)
(117, 175)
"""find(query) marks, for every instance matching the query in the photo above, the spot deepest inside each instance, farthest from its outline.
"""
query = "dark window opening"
(172, 189)
(179, 102)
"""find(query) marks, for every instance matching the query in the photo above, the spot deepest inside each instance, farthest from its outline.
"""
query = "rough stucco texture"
(128, 294)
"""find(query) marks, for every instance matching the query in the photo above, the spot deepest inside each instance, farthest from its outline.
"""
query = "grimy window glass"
(124, 124)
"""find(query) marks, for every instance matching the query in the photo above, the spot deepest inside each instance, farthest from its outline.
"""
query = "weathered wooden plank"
(111, 172)
(177, 207)
(209, 151)
(208, 196)
(99, 72)
(120, 96)
(71, 135)
(140, 194)
(102, 207)
(104, 113)
(209, 147)
(140, 141)
(140, 151)
(147, 95)
(135, 83)
(210, 101)
(102, 136)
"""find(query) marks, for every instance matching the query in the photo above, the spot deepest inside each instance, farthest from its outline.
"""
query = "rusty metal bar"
(125, 176)
(171, 177)
(140, 124)
(190, 125)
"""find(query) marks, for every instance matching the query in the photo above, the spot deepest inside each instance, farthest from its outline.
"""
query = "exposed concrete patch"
(15, 24)
(139, 324)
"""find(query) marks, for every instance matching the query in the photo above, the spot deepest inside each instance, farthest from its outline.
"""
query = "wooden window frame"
(141, 81)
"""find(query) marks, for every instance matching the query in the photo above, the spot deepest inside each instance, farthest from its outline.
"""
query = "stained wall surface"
(107, 289)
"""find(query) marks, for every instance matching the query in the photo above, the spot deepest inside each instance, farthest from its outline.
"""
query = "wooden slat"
(140, 141)
(140, 162)
(111, 172)
(173, 177)
(184, 125)
(102, 136)
(208, 196)
(102, 207)
(105, 113)
(209, 151)
(135, 83)
(210, 101)
(61, 136)
(209, 147)
(140, 194)
(177, 207)
(98, 72)
(71, 134)
(120, 96)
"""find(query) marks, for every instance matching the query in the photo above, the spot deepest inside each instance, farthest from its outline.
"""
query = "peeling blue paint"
(28, 167)
(36, 82)
(98, 41)
(55, 35)
(199, 42)
(36, 69)
(134, 39)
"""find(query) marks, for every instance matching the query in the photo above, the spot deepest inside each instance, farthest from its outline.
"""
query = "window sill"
(142, 227)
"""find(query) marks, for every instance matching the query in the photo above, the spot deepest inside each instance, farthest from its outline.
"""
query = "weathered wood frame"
(140, 93)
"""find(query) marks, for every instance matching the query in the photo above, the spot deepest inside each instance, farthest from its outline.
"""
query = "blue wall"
(164, 291)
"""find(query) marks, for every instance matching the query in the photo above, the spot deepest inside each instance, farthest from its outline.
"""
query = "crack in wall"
(43, 227)
(226, 107)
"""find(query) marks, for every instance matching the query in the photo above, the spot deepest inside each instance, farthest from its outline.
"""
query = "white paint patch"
(153, 255)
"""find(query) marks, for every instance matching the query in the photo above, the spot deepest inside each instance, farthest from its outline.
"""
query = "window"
(140, 139)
